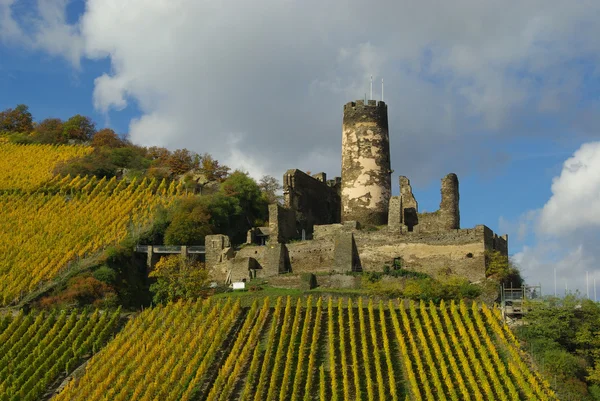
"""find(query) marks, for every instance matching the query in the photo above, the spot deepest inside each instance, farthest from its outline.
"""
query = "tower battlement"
(361, 103)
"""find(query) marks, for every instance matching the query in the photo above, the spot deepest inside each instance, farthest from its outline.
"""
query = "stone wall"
(282, 224)
(313, 200)
(344, 247)
(493, 242)
(408, 205)
(331, 230)
(453, 252)
(457, 252)
(366, 173)
(395, 215)
(316, 255)
(444, 219)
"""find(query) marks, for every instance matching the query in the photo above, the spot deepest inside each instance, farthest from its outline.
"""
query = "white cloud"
(45, 29)
(575, 268)
(567, 227)
(575, 201)
(279, 71)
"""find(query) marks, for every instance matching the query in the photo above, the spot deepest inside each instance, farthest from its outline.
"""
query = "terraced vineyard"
(35, 349)
(66, 219)
(26, 167)
(311, 350)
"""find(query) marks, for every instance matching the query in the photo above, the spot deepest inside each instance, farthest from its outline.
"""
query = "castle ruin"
(353, 223)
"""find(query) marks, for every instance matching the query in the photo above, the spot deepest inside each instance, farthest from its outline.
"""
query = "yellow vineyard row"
(309, 350)
(25, 167)
(41, 233)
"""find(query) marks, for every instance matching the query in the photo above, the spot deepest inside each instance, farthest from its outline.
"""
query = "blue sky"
(501, 94)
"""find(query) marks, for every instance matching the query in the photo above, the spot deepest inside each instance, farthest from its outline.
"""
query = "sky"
(504, 94)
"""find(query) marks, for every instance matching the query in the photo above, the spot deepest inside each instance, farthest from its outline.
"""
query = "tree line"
(232, 203)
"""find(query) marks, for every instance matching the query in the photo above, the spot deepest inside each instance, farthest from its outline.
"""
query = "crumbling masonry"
(353, 223)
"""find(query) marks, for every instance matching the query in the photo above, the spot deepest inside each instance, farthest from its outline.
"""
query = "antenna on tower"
(371, 88)
(587, 284)
(382, 89)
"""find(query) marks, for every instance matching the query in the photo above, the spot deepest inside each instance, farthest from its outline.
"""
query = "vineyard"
(48, 222)
(67, 219)
(26, 167)
(311, 350)
(35, 349)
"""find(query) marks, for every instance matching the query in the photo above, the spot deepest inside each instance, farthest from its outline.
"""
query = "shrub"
(105, 274)
(82, 290)
(178, 278)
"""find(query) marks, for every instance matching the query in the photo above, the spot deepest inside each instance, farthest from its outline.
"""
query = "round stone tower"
(366, 174)
(449, 206)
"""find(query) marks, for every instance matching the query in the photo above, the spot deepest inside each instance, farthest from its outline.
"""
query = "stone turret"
(449, 208)
(366, 173)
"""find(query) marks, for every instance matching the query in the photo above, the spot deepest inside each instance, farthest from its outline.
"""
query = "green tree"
(79, 128)
(18, 119)
(178, 278)
(502, 268)
(251, 208)
(49, 131)
(182, 161)
(212, 169)
(190, 223)
(107, 138)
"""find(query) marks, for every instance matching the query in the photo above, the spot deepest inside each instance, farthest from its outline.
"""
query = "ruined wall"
(282, 224)
(312, 256)
(429, 222)
(444, 219)
(313, 200)
(494, 242)
(455, 252)
(408, 205)
(219, 256)
(343, 247)
(395, 215)
(366, 173)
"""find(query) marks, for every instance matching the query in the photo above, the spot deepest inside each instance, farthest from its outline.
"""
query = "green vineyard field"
(314, 349)
(35, 349)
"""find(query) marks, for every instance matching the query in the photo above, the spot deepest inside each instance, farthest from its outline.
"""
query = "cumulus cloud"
(275, 73)
(575, 201)
(566, 228)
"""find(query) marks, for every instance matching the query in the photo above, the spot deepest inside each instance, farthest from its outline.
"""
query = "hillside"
(314, 350)
(35, 349)
(26, 167)
(48, 222)
(214, 349)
